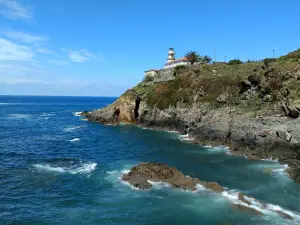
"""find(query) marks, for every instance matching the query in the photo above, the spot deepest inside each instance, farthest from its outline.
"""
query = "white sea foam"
(270, 160)
(46, 114)
(49, 168)
(74, 140)
(159, 185)
(172, 131)
(84, 119)
(185, 137)
(84, 168)
(70, 129)
(284, 167)
(219, 149)
(127, 184)
(20, 116)
(266, 209)
(77, 113)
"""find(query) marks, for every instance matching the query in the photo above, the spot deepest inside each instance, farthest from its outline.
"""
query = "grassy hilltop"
(256, 88)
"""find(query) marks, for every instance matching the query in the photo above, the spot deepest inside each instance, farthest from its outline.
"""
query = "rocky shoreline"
(256, 138)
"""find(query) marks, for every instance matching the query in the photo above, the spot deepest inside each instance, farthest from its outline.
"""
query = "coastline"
(217, 129)
(194, 139)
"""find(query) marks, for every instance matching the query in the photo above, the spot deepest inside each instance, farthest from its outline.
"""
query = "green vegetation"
(148, 78)
(179, 69)
(292, 56)
(193, 57)
(256, 87)
(235, 62)
(206, 59)
(269, 60)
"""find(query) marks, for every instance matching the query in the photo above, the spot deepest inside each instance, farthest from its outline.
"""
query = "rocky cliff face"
(251, 108)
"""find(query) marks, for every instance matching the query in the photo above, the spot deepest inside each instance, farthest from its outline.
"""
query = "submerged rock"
(142, 175)
(241, 197)
(213, 186)
(284, 215)
(246, 209)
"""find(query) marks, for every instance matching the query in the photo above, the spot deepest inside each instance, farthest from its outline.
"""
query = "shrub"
(179, 69)
(148, 78)
(269, 60)
(235, 62)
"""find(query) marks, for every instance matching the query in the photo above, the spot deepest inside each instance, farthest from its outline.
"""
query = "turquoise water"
(56, 168)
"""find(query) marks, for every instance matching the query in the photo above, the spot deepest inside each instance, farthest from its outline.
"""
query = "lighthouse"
(172, 62)
(171, 55)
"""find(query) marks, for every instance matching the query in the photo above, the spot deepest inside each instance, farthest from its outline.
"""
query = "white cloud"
(45, 50)
(24, 37)
(17, 72)
(83, 55)
(58, 62)
(11, 51)
(14, 10)
(18, 80)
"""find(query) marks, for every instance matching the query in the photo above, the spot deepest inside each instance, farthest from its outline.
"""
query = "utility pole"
(225, 58)
(273, 53)
(215, 56)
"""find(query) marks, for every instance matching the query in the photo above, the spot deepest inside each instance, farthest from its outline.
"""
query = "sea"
(58, 168)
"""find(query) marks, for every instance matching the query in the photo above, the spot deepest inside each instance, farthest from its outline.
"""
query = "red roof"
(179, 60)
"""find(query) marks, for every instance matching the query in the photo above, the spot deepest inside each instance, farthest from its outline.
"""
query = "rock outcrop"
(142, 176)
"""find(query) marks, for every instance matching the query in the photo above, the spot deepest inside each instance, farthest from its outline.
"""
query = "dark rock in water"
(84, 113)
(213, 186)
(246, 209)
(241, 197)
(284, 215)
(294, 174)
(140, 175)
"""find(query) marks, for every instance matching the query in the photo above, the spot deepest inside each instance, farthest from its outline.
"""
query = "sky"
(102, 48)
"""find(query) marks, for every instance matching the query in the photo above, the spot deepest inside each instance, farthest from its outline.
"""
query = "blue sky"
(101, 48)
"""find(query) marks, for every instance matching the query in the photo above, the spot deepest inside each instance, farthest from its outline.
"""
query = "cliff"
(253, 108)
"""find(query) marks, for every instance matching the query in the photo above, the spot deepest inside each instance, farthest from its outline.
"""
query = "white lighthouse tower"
(171, 55)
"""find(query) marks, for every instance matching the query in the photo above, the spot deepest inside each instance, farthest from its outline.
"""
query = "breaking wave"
(74, 140)
(77, 113)
(82, 168)
(19, 116)
(185, 137)
(70, 129)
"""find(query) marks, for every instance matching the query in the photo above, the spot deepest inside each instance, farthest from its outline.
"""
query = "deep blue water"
(56, 168)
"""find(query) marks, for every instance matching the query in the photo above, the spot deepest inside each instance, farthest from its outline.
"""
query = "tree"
(193, 57)
(235, 62)
(206, 59)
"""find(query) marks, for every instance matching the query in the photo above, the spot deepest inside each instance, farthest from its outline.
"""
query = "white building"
(150, 73)
(172, 62)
